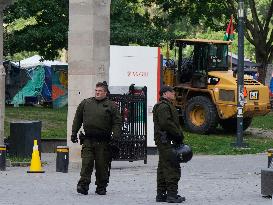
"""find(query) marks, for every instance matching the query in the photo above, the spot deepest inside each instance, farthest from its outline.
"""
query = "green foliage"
(40, 26)
(202, 14)
(249, 50)
(21, 55)
(214, 14)
(20, 23)
(130, 24)
(218, 35)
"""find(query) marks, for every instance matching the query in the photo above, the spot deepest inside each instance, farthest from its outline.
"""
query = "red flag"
(229, 35)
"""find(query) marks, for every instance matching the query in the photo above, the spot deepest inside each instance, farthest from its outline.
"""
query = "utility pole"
(3, 4)
(240, 76)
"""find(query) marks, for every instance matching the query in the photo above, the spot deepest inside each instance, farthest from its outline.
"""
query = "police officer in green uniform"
(167, 134)
(101, 122)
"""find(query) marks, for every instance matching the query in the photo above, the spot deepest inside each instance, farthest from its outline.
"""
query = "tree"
(142, 22)
(42, 26)
(131, 24)
(44, 29)
(215, 13)
(260, 33)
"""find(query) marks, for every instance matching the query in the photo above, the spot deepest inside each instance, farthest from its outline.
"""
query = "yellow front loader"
(206, 90)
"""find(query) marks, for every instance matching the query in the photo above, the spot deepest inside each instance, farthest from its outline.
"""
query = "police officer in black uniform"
(101, 122)
(167, 135)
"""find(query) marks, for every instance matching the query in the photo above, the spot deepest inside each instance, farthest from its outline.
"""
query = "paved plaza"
(206, 180)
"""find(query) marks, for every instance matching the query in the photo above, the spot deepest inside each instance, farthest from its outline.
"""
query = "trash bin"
(2, 157)
(22, 135)
(266, 182)
(62, 159)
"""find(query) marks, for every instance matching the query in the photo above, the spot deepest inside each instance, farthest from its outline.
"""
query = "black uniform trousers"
(98, 154)
(168, 171)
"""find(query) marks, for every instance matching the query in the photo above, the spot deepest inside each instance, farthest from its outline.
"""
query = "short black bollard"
(270, 158)
(3, 150)
(62, 160)
(266, 182)
(267, 176)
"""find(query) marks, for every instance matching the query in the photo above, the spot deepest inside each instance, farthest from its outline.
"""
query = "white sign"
(140, 66)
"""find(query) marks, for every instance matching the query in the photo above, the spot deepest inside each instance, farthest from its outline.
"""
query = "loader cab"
(197, 57)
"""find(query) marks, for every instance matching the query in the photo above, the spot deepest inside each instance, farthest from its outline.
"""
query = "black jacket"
(165, 117)
(100, 118)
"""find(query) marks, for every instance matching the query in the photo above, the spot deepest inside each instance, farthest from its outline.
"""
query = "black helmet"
(183, 153)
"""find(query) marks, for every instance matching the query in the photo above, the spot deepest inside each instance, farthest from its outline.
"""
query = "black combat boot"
(174, 198)
(82, 189)
(161, 197)
(101, 190)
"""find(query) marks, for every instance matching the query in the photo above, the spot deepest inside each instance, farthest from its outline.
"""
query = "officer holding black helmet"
(167, 135)
(101, 122)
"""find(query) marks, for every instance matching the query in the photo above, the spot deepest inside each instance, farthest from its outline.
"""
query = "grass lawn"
(221, 144)
(53, 120)
(264, 122)
(54, 126)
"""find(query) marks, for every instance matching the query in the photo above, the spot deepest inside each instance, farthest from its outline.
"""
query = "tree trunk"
(263, 60)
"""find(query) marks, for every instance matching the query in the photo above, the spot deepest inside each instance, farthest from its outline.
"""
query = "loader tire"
(230, 125)
(200, 115)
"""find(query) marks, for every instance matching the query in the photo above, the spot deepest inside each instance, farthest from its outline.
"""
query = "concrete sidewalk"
(206, 180)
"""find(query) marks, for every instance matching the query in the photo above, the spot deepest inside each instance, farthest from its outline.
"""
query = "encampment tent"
(44, 82)
(37, 60)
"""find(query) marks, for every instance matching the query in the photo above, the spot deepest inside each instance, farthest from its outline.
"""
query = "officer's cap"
(165, 88)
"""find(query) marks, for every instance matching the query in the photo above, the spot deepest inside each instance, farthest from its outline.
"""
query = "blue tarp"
(33, 88)
(47, 86)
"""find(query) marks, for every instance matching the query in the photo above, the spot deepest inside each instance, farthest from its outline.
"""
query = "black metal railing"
(133, 140)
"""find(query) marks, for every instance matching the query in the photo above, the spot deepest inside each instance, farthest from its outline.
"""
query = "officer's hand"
(74, 138)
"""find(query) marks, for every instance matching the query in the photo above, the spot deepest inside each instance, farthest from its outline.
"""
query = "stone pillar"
(88, 55)
(3, 4)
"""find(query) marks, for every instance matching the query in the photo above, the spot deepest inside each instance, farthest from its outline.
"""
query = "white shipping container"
(140, 66)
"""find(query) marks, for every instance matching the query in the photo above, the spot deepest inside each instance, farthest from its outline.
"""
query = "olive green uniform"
(101, 121)
(166, 120)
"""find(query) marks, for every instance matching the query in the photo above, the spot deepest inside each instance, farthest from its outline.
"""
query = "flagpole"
(231, 56)
(229, 35)
(231, 43)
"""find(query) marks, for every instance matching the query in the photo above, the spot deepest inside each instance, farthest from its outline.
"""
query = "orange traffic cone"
(35, 165)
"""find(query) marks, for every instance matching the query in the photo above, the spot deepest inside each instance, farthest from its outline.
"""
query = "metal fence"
(133, 140)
